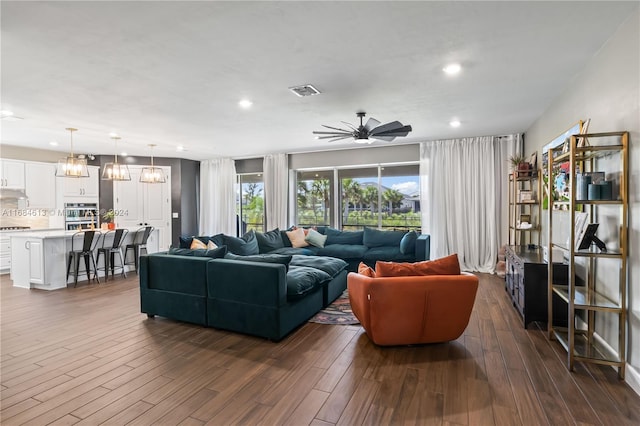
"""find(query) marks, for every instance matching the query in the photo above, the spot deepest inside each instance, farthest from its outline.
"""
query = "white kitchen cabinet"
(40, 185)
(27, 262)
(12, 174)
(141, 204)
(5, 253)
(82, 187)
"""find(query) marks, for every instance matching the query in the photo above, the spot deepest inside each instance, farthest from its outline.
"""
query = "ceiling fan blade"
(372, 123)
(336, 128)
(339, 139)
(397, 131)
(350, 126)
(331, 133)
(333, 136)
(386, 127)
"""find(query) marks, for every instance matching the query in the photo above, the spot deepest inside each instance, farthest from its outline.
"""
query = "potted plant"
(109, 217)
(519, 165)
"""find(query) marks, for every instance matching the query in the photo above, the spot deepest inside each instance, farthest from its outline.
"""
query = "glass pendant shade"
(72, 166)
(116, 171)
(152, 174)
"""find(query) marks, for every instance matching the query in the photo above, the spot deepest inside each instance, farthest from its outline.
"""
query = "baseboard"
(632, 377)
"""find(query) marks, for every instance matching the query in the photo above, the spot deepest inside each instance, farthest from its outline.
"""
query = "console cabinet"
(526, 284)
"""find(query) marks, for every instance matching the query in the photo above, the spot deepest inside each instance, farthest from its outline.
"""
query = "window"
(251, 202)
(386, 197)
(314, 198)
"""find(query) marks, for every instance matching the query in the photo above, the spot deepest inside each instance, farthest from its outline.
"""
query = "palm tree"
(320, 190)
(350, 194)
(393, 197)
(371, 196)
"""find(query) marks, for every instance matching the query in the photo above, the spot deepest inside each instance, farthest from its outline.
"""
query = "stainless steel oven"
(81, 216)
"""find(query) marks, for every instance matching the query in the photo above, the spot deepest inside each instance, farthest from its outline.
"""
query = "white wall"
(608, 92)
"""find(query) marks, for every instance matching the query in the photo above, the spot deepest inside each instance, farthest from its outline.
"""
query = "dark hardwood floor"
(87, 356)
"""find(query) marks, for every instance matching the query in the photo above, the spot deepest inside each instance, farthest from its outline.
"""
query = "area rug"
(339, 312)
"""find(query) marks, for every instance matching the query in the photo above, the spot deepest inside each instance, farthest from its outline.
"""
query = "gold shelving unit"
(518, 182)
(580, 338)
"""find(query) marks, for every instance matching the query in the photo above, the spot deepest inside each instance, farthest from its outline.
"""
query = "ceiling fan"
(365, 132)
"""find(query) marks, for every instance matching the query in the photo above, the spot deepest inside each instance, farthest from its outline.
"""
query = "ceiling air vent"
(304, 90)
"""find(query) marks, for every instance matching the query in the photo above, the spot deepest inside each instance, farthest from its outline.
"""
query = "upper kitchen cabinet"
(82, 187)
(40, 185)
(12, 174)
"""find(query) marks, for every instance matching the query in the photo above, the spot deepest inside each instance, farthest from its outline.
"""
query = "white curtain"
(218, 197)
(276, 185)
(462, 197)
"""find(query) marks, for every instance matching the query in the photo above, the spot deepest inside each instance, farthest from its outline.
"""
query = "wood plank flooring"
(87, 356)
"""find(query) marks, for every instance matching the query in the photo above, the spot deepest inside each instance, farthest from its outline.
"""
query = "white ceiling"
(172, 73)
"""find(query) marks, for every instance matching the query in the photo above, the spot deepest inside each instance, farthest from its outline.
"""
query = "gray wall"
(607, 91)
(360, 155)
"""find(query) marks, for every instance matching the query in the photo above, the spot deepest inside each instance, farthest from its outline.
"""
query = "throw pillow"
(315, 238)
(244, 246)
(262, 258)
(211, 245)
(408, 243)
(197, 244)
(269, 241)
(448, 265)
(296, 237)
(366, 270)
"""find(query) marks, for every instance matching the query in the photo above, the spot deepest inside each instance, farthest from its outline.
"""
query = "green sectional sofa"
(247, 296)
(368, 245)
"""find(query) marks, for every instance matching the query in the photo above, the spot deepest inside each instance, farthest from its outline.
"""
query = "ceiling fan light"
(363, 140)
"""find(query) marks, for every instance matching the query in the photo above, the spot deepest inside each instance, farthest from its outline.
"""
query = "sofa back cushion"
(408, 242)
(262, 258)
(269, 241)
(335, 236)
(448, 265)
(216, 253)
(244, 246)
(376, 238)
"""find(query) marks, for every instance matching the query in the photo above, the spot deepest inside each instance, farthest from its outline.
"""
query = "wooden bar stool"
(138, 244)
(90, 240)
(112, 245)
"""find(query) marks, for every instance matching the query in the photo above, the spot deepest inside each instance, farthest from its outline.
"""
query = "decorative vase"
(112, 225)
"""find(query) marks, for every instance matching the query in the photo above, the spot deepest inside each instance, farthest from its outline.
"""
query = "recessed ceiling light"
(454, 123)
(245, 103)
(123, 154)
(6, 113)
(179, 148)
(113, 135)
(53, 143)
(452, 69)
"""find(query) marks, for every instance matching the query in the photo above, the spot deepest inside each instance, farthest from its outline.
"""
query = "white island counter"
(39, 258)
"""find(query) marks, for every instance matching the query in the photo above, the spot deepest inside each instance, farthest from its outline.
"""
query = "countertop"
(57, 233)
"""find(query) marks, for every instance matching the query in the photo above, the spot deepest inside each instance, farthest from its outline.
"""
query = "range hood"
(12, 194)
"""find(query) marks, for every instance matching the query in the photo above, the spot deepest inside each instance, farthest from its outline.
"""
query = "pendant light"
(71, 166)
(115, 171)
(152, 174)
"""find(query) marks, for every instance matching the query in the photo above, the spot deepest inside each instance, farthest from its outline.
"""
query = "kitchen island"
(39, 258)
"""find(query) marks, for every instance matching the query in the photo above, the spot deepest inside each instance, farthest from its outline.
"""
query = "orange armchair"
(412, 310)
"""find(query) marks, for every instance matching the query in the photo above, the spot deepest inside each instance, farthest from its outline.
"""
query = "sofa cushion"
(391, 254)
(214, 253)
(263, 258)
(197, 244)
(343, 251)
(315, 238)
(376, 238)
(269, 241)
(302, 279)
(408, 242)
(304, 251)
(366, 270)
(329, 265)
(448, 265)
(335, 236)
(297, 238)
(244, 246)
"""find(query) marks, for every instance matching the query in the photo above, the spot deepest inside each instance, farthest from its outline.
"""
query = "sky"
(408, 185)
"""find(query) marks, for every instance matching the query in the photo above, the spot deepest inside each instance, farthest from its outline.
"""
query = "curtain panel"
(463, 191)
(218, 197)
(276, 185)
